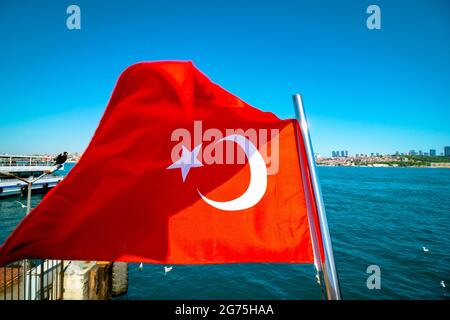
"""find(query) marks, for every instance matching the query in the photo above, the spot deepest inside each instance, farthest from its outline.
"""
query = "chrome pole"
(30, 186)
(330, 274)
(314, 233)
(24, 265)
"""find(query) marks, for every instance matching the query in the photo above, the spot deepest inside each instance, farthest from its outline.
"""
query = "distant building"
(420, 153)
(371, 154)
(346, 153)
(342, 153)
(447, 151)
(432, 152)
(412, 153)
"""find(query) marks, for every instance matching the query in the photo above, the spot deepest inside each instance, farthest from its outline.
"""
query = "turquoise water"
(377, 216)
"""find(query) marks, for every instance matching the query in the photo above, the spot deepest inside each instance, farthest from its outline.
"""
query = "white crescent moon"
(258, 178)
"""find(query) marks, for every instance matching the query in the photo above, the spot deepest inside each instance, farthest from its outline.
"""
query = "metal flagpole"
(329, 268)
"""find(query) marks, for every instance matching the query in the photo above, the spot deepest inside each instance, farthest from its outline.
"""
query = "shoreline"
(417, 167)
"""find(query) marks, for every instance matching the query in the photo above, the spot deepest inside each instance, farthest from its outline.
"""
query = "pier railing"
(18, 160)
(32, 280)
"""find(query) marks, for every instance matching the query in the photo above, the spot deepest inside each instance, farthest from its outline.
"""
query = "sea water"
(376, 216)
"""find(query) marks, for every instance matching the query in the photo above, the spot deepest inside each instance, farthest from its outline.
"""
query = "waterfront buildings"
(342, 158)
(337, 154)
(447, 151)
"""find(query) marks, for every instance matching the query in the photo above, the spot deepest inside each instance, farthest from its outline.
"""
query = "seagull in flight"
(425, 249)
(167, 269)
(21, 204)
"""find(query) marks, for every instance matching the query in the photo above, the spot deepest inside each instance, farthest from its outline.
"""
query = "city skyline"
(367, 90)
(445, 151)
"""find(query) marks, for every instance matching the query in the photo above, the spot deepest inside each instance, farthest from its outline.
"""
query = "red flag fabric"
(179, 171)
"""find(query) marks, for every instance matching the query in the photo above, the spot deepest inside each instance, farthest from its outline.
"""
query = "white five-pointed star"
(187, 161)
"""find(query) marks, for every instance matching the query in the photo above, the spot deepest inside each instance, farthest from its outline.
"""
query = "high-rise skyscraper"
(342, 153)
(432, 152)
(447, 151)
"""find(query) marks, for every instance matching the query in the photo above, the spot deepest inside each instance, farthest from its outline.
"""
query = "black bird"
(60, 159)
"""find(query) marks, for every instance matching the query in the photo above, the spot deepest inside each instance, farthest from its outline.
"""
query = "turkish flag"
(179, 171)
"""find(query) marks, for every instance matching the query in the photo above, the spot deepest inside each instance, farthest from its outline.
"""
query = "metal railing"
(17, 160)
(32, 280)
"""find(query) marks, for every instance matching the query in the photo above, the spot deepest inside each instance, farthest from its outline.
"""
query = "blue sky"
(364, 90)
